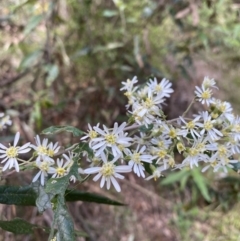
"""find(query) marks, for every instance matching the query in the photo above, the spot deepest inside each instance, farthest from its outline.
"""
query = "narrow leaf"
(201, 183)
(30, 59)
(74, 195)
(43, 200)
(24, 196)
(53, 72)
(63, 221)
(17, 226)
(58, 129)
(174, 177)
(33, 23)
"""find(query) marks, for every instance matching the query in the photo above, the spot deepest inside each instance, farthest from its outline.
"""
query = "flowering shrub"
(146, 145)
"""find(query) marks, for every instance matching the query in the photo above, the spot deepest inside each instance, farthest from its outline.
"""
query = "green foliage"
(27, 196)
(17, 226)
(74, 195)
(17, 195)
(184, 176)
(58, 129)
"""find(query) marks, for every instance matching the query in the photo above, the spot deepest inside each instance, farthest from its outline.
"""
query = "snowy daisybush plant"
(146, 145)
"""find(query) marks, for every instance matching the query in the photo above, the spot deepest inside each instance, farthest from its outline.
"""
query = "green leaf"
(201, 183)
(58, 129)
(108, 13)
(33, 23)
(174, 177)
(145, 129)
(74, 195)
(83, 146)
(147, 167)
(17, 226)
(236, 166)
(19, 6)
(24, 196)
(65, 226)
(53, 72)
(30, 59)
(43, 200)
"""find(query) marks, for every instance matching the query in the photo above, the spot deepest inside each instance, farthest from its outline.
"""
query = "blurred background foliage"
(63, 61)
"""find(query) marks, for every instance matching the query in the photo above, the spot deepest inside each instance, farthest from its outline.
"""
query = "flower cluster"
(211, 137)
(148, 141)
(44, 160)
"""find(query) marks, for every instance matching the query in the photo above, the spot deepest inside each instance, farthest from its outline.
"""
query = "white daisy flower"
(128, 85)
(207, 82)
(204, 95)
(156, 173)
(136, 159)
(10, 154)
(91, 133)
(62, 168)
(42, 148)
(191, 127)
(110, 139)
(208, 127)
(162, 89)
(45, 167)
(108, 172)
(4, 121)
(52, 149)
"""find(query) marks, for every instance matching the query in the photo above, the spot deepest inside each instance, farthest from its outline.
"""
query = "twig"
(7, 82)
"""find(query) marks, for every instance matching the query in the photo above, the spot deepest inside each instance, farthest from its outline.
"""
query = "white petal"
(16, 139)
(24, 150)
(36, 177)
(3, 147)
(92, 170)
(115, 184)
(102, 181)
(25, 146)
(6, 166)
(96, 178)
(108, 182)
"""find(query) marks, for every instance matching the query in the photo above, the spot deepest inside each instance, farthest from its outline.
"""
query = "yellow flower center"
(136, 158)
(60, 171)
(158, 88)
(222, 151)
(148, 103)
(107, 169)
(42, 150)
(44, 167)
(50, 152)
(160, 144)
(222, 107)
(190, 125)
(172, 133)
(208, 125)
(206, 94)
(162, 153)
(193, 152)
(110, 138)
(12, 152)
(92, 134)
